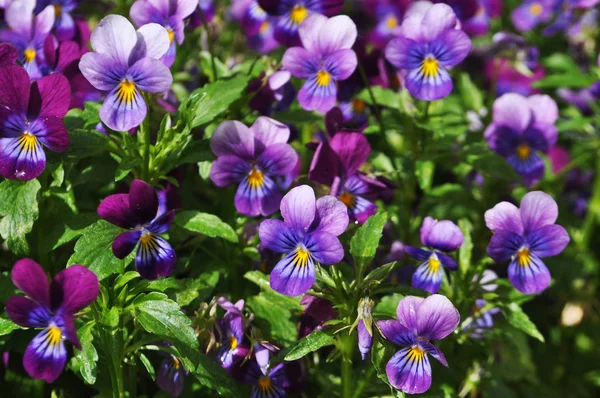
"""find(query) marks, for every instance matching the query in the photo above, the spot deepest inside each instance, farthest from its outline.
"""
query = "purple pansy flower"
(170, 377)
(266, 383)
(582, 98)
(170, 14)
(325, 58)
(480, 321)
(532, 12)
(292, 13)
(521, 127)
(308, 234)
(388, 18)
(30, 118)
(231, 330)
(252, 157)
(126, 63)
(442, 237)
(524, 236)
(277, 95)
(419, 322)
(137, 211)
(28, 33)
(64, 24)
(463, 9)
(427, 46)
(479, 24)
(51, 307)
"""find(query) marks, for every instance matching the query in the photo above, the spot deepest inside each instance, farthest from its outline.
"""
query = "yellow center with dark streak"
(28, 141)
(171, 34)
(430, 67)
(523, 257)
(255, 178)
(523, 151)
(416, 354)
(233, 343)
(301, 256)
(29, 55)
(264, 383)
(434, 264)
(348, 199)
(126, 92)
(145, 239)
(298, 14)
(176, 363)
(323, 78)
(54, 335)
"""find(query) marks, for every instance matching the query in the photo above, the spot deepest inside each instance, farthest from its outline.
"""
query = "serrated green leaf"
(94, 250)
(519, 319)
(308, 344)
(19, 207)
(206, 224)
(364, 243)
(87, 356)
(380, 273)
(197, 288)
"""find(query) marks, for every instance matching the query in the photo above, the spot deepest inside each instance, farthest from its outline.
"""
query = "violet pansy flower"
(521, 127)
(170, 14)
(524, 236)
(28, 33)
(266, 383)
(64, 24)
(51, 307)
(531, 13)
(137, 211)
(419, 321)
(326, 57)
(308, 234)
(428, 44)
(231, 330)
(480, 321)
(30, 119)
(252, 157)
(441, 237)
(170, 377)
(479, 24)
(292, 13)
(126, 63)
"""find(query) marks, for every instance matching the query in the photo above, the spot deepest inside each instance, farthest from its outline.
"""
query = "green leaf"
(262, 280)
(87, 356)
(197, 288)
(565, 80)
(519, 319)
(206, 224)
(147, 364)
(161, 316)
(424, 172)
(364, 243)
(111, 316)
(7, 326)
(466, 249)
(196, 151)
(385, 97)
(19, 207)
(210, 101)
(379, 273)
(85, 143)
(388, 305)
(380, 355)
(273, 318)
(94, 250)
(469, 92)
(308, 344)
(213, 376)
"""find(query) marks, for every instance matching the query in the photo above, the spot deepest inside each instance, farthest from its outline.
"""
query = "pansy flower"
(463, 9)
(521, 127)
(440, 237)
(266, 383)
(167, 13)
(524, 236)
(480, 322)
(479, 24)
(326, 57)
(231, 331)
(30, 119)
(388, 18)
(126, 63)
(64, 24)
(308, 234)
(51, 307)
(137, 211)
(531, 13)
(419, 321)
(292, 13)
(252, 157)
(170, 377)
(28, 33)
(277, 95)
(428, 45)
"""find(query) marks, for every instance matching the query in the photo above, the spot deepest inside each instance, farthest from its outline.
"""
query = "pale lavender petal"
(152, 41)
(18, 16)
(151, 75)
(434, 352)
(437, 19)
(429, 88)
(548, 241)
(123, 115)
(310, 32)
(436, 317)
(404, 53)
(337, 33)
(365, 340)
(101, 70)
(407, 312)
(233, 138)
(530, 278)
(298, 208)
(512, 110)
(341, 64)
(444, 236)
(143, 12)
(42, 24)
(538, 209)
(269, 131)
(451, 48)
(544, 108)
(115, 37)
(504, 215)
(315, 97)
(252, 200)
(331, 216)
(426, 227)
(228, 170)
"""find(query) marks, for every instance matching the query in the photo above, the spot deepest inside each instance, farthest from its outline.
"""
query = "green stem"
(346, 378)
(112, 348)
(365, 79)
(210, 44)
(593, 211)
(147, 138)
(363, 382)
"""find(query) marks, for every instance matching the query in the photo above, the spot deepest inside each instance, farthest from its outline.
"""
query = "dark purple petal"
(14, 88)
(428, 276)
(292, 276)
(116, 210)
(121, 112)
(298, 208)
(50, 96)
(538, 209)
(417, 254)
(331, 216)
(170, 377)
(125, 243)
(434, 352)
(155, 257)
(444, 236)
(8, 54)
(65, 26)
(257, 197)
(27, 313)
(504, 244)
(548, 241)
(529, 276)
(161, 224)
(405, 53)
(46, 356)
(325, 165)
(436, 317)
(362, 209)
(102, 71)
(30, 278)
(228, 170)
(233, 138)
(73, 289)
(395, 332)
(278, 159)
(365, 340)
(448, 262)
(409, 370)
(143, 201)
(324, 247)
(502, 140)
(69, 330)
(504, 215)
(353, 149)
(54, 134)
(277, 236)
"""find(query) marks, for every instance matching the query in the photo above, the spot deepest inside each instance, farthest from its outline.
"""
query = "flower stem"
(365, 79)
(346, 346)
(112, 348)
(210, 44)
(146, 136)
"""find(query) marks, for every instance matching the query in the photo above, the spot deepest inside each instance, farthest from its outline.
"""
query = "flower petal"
(544, 108)
(436, 317)
(151, 75)
(444, 236)
(152, 42)
(533, 277)
(161, 224)
(331, 216)
(300, 62)
(125, 243)
(50, 96)
(155, 257)
(407, 312)
(45, 358)
(451, 48)
(365, 340)
(417, 254)
(548, 241)
(278, 159)
(409, 372)
(269, 131)
(504, 244)
(316, 97)
(114, 36)
(73, 289)
(53, 133)
(538, 209)
(170, 377)
(21, 158)
(428, 277)
(292, 277)
(429, 88)
(228, 170)
(437, 19)
(504, 215)
(233, 138)
(298, 208)
(101, 70)
(405, 53)
(324, 247)
(27, 313)
(123, 114)
(434, 352)
(14, 88)
(143, 201)
(262, 199)
(512, 110)
(116, 210)
(310, 32)
(29, 277)
(277, 236)
(337, 33)
(395, 332)
(353, 149)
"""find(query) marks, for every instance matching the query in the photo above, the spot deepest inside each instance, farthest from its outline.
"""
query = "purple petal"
(114, 36)
(451, 47)
(269, 131)
(504, 244)
(538, 209)
(291, 277)
(325, 165)
(45, 357)
(262, 199)
(395, 332)
(504, 215)
(161, 224)
(170, 377)
(428, 276)
(73, 289)
(444, 236)
(429, 88)
(316, 97)
(116, 210)
(125, 243)
(143, 201)
(523, 19)
(228, 170)
(416, 253)
(544, 108)
(501, 139)
(437, 19)
(404, 53)
(14, 88)
(277, 236)
(65, 26)
(331, 216)
(365, 340)
(409, 372)
(233, 138)
(143, 12)
(151, 75)
(310, 32)
(530, 169)
(21, 158)
(512, 110)
(50, 96)
(353, 149)
(300, 62)
(70, 331)
(298, 208)
(548, 241)
(54, 134)
(278, 159)
(434, 352)
(448, 262)
(152, 42)
(18, 16)
(30, 278)
(325, 248)
(530, 278)
(101, 70)
(155, 257)
(186, 7)
(42, 24)
(407, 312)
(123, 114)
(27, 313)
(436, 317)
(337, 33)
(8, 54)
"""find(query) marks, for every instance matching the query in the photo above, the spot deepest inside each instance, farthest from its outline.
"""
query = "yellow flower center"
(416, 354)
(126, 92)
(57, 10)
(146, 238)
(298, 14)
(176, 363)
(54, 335)
(233, 343)
(430, 67)
(264, 383)
(536, 9)
(523, 257)
(434, 264)
(28, 141)
(323, 78)
(301, 256)
(348, 199)
(358, 106)
(255, 178)
(523, 151)
(171, 34)
(391, 22)
(29, 55)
